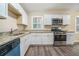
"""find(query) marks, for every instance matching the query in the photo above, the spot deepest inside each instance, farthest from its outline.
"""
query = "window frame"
(39, 23)
(76, 25)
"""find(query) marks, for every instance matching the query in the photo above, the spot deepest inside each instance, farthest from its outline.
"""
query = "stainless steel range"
(59, 37)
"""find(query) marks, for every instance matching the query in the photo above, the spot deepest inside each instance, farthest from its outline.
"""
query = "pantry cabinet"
(3, 10)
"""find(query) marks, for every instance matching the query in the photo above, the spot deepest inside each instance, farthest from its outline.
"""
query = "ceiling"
(32, 7)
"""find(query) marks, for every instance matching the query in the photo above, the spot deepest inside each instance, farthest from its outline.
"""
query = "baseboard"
(41, 44)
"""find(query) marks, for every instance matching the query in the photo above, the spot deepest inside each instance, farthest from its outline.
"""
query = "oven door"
(59, 39)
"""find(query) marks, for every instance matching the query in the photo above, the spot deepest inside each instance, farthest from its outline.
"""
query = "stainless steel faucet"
(11, 31)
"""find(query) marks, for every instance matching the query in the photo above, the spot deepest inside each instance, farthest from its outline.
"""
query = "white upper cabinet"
(3, 10)
(16, 6)
(24, 18)
(24, 15)
(66, 19)
(47, 20)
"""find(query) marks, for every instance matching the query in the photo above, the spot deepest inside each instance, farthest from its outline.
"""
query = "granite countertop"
(71, 32)
(5, 39)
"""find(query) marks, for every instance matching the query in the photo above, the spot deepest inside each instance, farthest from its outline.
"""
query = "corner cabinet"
(3, 10)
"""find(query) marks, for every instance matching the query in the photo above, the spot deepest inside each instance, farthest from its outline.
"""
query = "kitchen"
(25, 25)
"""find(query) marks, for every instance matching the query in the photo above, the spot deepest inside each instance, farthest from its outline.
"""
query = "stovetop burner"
(57, 31)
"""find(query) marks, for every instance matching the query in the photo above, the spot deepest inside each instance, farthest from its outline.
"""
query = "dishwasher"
(11, 48)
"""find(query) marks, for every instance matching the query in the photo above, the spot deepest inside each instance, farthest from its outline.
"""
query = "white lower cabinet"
(36, 39)
(70, 38)
(47, 38)
(24, 44)
(41, 38)
(44, 38)
(27, 42)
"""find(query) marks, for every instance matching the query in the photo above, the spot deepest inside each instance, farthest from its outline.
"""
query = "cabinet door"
(66, 19)
(27, 42)
(44, 38)
(24, 19)
(36, 38)
(22, 46)
(16, 6)
(47, 20)
(33, 38)
(47, 38)
(3, 10)
(70, 38)
(50, 38)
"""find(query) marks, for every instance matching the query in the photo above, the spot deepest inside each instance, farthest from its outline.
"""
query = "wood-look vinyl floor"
(50, 50)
